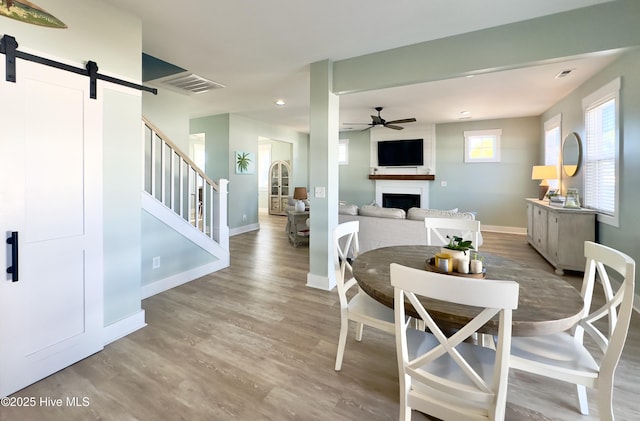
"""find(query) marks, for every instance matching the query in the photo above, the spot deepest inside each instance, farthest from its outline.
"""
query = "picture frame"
(245, 162)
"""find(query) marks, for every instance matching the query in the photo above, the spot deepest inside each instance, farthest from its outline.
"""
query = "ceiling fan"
(377, 120)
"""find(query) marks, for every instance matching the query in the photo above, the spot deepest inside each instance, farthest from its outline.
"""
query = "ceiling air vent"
(191, 83)
(563, 73)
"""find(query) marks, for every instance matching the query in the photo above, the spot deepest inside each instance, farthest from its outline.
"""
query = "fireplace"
(400, 200)
(419, 188)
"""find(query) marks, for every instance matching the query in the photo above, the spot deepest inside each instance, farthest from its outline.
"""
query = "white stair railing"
(176, 181)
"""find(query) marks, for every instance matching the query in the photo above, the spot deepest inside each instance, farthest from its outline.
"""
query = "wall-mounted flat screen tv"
(400, 153)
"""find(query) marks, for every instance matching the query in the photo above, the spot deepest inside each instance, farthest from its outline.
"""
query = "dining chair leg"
(605, 399)
(583, 403)
(342, 342)
(359, 331)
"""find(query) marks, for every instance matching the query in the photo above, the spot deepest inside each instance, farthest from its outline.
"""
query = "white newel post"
(220, 223)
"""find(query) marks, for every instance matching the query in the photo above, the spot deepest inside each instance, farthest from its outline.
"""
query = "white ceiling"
(261, 51)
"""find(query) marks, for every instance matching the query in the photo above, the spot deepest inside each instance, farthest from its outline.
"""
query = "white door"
(51, 194)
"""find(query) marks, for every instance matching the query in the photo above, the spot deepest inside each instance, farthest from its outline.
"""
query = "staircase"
(181, 196)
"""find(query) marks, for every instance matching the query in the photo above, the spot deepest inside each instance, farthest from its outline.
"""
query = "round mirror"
(571, 152)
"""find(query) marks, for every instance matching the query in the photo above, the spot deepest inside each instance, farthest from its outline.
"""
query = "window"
(552, 146)
(343, 151)
(602, 146)
(482, 145)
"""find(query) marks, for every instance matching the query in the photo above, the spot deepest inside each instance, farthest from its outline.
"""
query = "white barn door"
(51, 195)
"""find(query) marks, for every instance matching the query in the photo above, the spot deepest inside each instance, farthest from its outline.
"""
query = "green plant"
(243, 161)
(476, 256)
(457, 243)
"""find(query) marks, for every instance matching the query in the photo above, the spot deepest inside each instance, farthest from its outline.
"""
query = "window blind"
(600, 157)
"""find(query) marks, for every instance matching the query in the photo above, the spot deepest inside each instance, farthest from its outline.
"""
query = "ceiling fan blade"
(404, 120)
(356, 124)
(391, 126)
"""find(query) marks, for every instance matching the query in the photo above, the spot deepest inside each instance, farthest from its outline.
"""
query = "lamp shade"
(544, 172)
(300, 193)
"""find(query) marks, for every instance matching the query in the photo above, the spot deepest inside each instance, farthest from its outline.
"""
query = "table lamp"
(300, 194)
(544, 173)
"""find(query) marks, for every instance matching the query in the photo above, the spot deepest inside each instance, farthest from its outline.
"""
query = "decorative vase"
(460, 258)
(300, 206)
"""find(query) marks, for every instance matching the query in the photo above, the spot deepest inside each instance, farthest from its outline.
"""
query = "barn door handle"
(13, 269)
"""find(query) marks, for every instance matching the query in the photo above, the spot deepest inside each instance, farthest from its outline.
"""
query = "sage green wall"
(167, 111)
(122, 226)
(355, 186)
(243, 188)
(178, 253)
(227, 133)
(495, 190)
(117, 53)
(216, 143)
(626, 236)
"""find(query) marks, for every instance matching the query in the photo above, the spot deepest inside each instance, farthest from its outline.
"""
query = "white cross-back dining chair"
(361, 308)
(444, 376)
(437, 229)
(564, 356)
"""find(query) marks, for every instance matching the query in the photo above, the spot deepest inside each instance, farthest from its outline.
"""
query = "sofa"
(382, 227)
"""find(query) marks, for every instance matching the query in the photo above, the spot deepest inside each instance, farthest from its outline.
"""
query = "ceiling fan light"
(280, 102)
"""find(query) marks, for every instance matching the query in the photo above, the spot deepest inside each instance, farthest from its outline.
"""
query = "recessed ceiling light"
(280, 102)
(465, 112)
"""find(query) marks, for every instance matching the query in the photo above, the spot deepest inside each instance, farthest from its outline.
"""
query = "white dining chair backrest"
(564, 356)
(346, 248)
(439, 228)
(447, 377)
(360, 308)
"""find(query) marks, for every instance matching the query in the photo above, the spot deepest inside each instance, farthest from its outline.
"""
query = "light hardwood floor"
(252, 342)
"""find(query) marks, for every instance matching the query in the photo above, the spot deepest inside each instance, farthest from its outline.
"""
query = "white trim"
(243, 229)
(505, 230)
(496, 133)
(553, 122)
(178, 279)
(326, 283)
(124, 327)
(607, 92)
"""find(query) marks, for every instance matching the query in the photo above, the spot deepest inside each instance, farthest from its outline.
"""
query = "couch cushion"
(345, 209)
(421, 213)
(380, 212)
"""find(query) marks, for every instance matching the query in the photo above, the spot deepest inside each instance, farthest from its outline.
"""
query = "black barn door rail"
(9, 47)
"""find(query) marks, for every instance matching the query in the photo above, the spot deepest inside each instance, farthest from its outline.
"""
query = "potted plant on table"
(457, 249)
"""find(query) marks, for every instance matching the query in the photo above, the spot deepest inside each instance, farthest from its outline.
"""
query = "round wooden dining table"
(547, 303)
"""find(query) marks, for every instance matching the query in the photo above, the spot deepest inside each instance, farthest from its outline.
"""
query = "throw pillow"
(420, 213)
(377, 211)
(348, 209)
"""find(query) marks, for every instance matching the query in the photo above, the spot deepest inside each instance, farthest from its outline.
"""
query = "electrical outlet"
(156, 262)
(443, 184)
(244, 218)
(320, 192)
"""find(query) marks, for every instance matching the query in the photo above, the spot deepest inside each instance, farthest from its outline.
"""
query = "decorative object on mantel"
(544, 173)
(572, 200)
(30, 13)
(300, 194)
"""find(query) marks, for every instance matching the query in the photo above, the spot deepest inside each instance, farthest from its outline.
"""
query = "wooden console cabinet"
(558, 233)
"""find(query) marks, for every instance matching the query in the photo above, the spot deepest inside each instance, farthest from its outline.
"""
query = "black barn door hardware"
(13, 269)
(9, 47)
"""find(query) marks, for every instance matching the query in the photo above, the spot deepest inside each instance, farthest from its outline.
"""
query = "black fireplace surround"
(400, 201)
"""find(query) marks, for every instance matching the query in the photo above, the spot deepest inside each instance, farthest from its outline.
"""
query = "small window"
(343, 151)
(602, 151)
(482, 145)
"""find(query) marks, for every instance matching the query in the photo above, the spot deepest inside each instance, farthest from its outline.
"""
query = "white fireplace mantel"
(418, 187)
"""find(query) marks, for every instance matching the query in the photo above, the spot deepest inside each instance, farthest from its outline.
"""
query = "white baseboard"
(243, 229)
(504, 230)
(123, 327)
(181, 278)
(326, 283)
